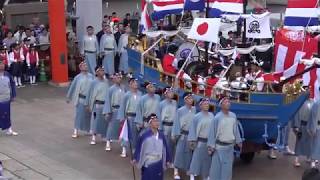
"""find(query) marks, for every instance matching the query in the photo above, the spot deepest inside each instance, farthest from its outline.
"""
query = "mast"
(206, 56)
(244, 38)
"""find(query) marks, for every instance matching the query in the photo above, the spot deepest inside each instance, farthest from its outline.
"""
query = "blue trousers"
(152, 172)
(108, 63)
(113, 126)
(82, 119)
(222, 162)
(91, 61)
(5, 121)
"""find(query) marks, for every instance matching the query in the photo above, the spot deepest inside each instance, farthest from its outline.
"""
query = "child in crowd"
(16, 59)
(33, 63)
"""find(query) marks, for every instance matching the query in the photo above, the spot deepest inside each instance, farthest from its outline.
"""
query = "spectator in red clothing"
(211, 82)
(168, 59)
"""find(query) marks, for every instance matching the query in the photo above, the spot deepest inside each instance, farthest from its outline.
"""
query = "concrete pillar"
(57, 22)
(89, 13)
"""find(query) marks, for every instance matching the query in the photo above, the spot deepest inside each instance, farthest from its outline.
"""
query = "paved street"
(45, 150)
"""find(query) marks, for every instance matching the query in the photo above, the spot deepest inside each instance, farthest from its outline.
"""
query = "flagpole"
(206, 55)
(244, 38)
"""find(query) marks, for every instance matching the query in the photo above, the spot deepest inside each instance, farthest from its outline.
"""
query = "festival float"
(262, 113)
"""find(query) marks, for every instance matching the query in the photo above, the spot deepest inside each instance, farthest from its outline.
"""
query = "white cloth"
(258, 26)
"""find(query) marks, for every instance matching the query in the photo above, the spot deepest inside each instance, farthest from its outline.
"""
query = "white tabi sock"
(313, 164)
(16, 80)
(34, 79)
(31, 80)
(10, 130)
(124, 151)
(75, 131)
(108, 143)
(191, 177)
(93, 138)
(108, 147)
(176, 171)
(19, 81)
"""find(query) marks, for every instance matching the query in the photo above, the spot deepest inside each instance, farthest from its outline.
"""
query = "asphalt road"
(45, 122)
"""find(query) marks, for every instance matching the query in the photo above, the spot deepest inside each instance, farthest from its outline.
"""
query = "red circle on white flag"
(203, 28)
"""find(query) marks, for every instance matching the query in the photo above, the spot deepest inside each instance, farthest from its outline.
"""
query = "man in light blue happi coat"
(314, 129)
(78, 91)
(111, 107)
(90, 49)
(148, 104)
(108, 48)
(127, 112)
(303, 138)
(95, 101)
(224, 134)
(180, 131)
(168, 110)
(198, 138)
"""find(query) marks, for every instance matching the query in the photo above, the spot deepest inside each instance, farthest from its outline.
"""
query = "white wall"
(89, 13)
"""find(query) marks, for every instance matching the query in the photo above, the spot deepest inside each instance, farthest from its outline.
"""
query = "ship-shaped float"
(262, 114)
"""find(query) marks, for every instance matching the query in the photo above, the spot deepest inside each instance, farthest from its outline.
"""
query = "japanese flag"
(205, 29)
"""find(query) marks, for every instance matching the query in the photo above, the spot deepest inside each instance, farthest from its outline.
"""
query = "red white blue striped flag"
(301, 13)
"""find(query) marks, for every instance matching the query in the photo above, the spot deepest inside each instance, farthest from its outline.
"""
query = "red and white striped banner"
(290, 48)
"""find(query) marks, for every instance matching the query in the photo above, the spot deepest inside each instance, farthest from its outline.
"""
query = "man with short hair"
(111, 108)
(78, 93)
(99, 89)
(7, 95)
(180, 131)
(20, 34)
(102, 32)
(127, 112)
(126, 21)
(90, 49)
(108, 47)
(198, 138)
(30, 36)
(148, 104)
(152, 155)
(224, 134)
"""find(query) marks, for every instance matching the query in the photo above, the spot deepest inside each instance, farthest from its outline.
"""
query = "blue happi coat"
(78, 91)
(146, 106)
(95, 100)
(128, 108)
(303, 138)
(111, 108)
(314, 129)
(223, 135)
(168, 110)
(180, 131)
(198, 132)
(7, 94)
(151, 155)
